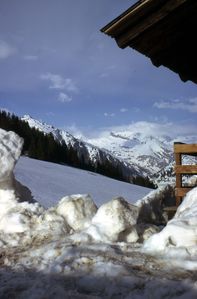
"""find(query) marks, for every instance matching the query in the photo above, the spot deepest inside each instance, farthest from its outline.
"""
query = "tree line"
(45, 147)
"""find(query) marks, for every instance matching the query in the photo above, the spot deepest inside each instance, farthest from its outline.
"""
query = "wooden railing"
(181, 149)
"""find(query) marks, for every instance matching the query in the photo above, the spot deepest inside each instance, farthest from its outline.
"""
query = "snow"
(116, 217)
(179, 237)
(65, 180)
(141, 148)
(77, 210)
(10, 149)
(74, 250)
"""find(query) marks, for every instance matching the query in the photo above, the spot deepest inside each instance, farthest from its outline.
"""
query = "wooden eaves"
(163, 30)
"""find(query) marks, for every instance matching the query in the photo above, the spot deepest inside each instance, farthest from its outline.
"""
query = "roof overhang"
(163, 30)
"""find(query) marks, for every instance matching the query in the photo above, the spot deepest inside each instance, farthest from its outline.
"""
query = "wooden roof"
(163, 30)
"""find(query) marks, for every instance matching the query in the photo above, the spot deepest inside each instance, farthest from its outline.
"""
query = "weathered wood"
(179, 150)
(180, 192)
(178, 161)
(185, 148)
(185, 169)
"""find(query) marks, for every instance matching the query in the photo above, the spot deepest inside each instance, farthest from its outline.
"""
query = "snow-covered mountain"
(90, 152)
(144, 152)
(149, 153)
(137, 149)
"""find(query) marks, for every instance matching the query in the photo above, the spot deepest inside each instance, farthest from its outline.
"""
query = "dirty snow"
(78, 250)
(179, 237)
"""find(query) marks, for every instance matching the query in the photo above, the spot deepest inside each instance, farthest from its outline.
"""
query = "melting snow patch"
(179, 238)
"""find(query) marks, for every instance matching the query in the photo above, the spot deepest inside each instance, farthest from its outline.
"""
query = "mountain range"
(90, 153)
(135, 151)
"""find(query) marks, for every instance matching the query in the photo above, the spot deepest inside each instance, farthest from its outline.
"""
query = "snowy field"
(75, 249)
(49, 182)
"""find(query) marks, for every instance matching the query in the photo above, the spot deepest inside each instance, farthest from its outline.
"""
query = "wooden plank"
(178, 161)
(185, 169)
(178, 158)
(180, 192)
(185, 148)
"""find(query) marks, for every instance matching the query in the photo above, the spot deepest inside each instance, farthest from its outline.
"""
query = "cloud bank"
(187, 105)
(58, 82)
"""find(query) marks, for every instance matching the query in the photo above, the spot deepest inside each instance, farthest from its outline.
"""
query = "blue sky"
(57, 66)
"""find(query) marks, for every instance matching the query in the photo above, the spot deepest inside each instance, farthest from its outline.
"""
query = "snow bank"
(10, 150)
(117, 219)
(75, 217)
(114, 221)
(75, 214)
(151, 206)
(179, 238)
(20, 221)
(73, 250)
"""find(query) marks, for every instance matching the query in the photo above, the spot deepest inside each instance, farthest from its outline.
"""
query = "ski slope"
(49, 182)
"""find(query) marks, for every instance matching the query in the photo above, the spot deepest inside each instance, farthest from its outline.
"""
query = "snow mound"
(10, 150)
(75, 217)
(115, 219)
(27, 222)
(180, 234)
(151, 206)
(78, 210)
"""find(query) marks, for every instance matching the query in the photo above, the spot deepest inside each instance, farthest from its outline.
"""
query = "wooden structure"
(181, 149)
(163, 30)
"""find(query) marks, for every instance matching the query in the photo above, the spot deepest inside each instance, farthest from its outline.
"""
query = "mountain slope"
(49, 182)
(148, 153)
(137, 151)
(98, 158)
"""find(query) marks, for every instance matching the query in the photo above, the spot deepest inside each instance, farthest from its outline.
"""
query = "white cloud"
(106, 114)
(123, 110)
(176, 131)
(64, 98)
(58, 82)
(188, 105)
(31, 57)
(6, 50)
